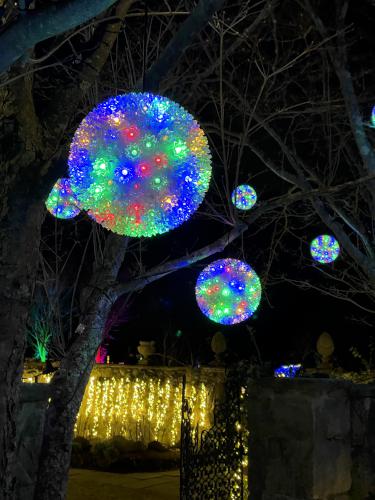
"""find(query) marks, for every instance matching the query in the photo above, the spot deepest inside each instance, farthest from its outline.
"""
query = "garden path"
(93, 485)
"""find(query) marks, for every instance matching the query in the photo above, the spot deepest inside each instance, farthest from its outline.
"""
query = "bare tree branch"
(194, 24)
(51, 21)
(162, 270)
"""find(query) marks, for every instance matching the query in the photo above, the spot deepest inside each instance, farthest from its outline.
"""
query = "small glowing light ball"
(373, 117)
(62, 202)
(287, 371)
(244, 197)
(324, 249)
(139, 164)
(228, 291)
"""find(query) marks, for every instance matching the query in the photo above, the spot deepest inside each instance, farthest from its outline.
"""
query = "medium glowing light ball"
(228, 291)
(244, 197)
(139, 164)
(62, 202)
(324, 249)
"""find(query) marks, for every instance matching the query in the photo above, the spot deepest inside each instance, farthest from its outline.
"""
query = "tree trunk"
(68, 384)
(19, 254)
(68, 390)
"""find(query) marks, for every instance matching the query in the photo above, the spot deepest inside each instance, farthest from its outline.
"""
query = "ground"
(92, 485)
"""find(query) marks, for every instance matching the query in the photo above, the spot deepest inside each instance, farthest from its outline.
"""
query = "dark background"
(289, 320)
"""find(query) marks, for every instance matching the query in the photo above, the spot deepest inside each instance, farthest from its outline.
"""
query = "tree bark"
(26, 177)
(19, 255)
(69, 382)
(21, 217)
(31, 29)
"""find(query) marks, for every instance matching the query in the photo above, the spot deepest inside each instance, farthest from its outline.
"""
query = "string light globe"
(372, 119)
(244, 197)
(62, 202)
(287, 371)
(139, 164)
(228, 291)
(325, 249)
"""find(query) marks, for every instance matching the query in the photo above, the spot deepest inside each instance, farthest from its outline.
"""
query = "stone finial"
(325, 348)
(146, 349)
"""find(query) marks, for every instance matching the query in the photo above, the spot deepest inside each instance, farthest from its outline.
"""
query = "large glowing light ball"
(244, 197)
(324, 249)
(62, 202)
(228, 291)
(140, 164)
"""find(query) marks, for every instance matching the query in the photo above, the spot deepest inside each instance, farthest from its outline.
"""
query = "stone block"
(299, 444)
(29, 437)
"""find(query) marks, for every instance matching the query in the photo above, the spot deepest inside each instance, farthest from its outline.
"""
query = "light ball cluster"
(139, 164)
(228, 291)
(62, 202)
(244, 197)
(324, 249)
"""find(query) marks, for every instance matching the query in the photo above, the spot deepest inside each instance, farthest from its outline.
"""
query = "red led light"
(131, 133)
(144, 169)
(136, 210)
(160, 160)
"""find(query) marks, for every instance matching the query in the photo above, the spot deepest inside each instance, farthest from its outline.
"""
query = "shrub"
(81, 452)
(156, 446)
(126, 445)
(105, 454)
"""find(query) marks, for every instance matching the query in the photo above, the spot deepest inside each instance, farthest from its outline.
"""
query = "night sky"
(287, 323)
(289, 319)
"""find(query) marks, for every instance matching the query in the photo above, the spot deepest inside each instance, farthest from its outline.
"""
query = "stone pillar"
(299, 445)
(34, 398)
(363, 442)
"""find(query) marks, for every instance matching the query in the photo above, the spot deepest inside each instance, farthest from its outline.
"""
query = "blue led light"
(287, 371)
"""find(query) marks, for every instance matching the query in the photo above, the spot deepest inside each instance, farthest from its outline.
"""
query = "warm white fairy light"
(90, 395)
(202, 402)
(176, 416)
(150, 407)
(142, 407)
(158, 420)
(125, 408)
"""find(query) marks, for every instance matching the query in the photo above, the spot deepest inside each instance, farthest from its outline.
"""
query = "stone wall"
(363, 442)
(33, 401)
(311, 439)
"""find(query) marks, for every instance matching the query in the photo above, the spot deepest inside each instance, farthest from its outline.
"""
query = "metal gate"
(214, 462)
